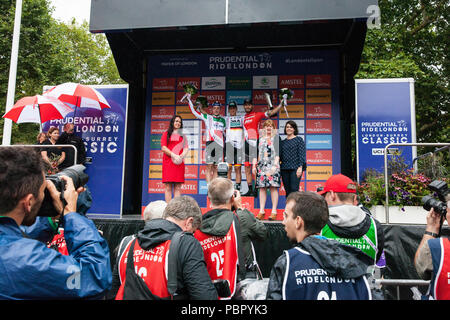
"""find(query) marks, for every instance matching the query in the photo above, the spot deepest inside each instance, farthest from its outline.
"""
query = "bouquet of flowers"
(286, 91)
(189, 89)
(54, 162)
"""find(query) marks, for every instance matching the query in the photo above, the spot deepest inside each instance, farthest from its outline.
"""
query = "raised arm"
(194, 112)
(274, 110)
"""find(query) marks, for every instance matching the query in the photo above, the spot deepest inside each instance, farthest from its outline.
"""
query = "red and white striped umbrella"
(37, 109)
(79, 95)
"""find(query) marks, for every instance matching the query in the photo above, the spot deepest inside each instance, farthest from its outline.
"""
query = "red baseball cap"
(339, 183)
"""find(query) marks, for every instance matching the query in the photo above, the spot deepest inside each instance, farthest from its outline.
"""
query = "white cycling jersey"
(235, 130)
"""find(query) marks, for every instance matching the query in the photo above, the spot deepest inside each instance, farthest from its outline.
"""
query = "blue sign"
(385, 114)
(319, 142)
(313, 76)
(103, 133)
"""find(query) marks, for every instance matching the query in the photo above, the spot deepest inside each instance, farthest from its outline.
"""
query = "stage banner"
(104, 135)
(313, 77)
(385, 114)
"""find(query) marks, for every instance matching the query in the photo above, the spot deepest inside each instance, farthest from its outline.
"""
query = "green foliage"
(433, 165)
(50, 53)
(413, 43)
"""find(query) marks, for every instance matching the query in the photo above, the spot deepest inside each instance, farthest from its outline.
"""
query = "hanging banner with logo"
(385, 114)
(313, 77)
(104, 135)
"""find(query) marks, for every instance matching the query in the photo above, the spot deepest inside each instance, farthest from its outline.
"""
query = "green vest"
(368, 243)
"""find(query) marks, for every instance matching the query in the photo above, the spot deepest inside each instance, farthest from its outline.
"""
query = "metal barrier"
(401, 282)
(386, 184)
(46, 146)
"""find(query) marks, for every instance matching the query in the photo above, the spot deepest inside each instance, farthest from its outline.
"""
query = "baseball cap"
(216, 104)
(248, 101)
(232, 104)
(339, 183)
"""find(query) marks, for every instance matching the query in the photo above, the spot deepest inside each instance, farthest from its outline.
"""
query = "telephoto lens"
(438, 206)
(222, 169)
(79, 178)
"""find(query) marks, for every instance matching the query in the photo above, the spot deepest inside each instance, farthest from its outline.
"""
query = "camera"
(79, 178)
(222, 169)
(439, 206)
(222, 287)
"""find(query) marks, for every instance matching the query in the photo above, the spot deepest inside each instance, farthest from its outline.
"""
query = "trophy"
(285, 94)
(269, 100)
(190, 90)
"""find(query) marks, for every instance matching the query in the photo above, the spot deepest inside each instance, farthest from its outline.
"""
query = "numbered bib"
(306, 280)
(221, 256)
(150, 265)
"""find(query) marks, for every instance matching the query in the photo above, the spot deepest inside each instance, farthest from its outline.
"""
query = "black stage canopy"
(136, 29)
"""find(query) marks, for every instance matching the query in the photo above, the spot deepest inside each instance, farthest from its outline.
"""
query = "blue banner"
(103, 133)
(385, 114)
(313, 76)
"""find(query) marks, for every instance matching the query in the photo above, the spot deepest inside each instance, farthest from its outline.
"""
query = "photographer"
(220, 235)
(251, 229)
(29, 269)
(432, 258)
(154, 275)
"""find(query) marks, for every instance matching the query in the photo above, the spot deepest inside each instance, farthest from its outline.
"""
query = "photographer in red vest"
(164, 260)
(220, 236)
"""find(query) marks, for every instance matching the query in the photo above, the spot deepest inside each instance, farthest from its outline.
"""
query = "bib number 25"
(217, 258)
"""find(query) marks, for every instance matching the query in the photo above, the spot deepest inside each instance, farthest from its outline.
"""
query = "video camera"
(439, 206)
(79, 178)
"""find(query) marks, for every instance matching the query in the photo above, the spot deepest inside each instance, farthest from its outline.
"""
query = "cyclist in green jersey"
(215, 131)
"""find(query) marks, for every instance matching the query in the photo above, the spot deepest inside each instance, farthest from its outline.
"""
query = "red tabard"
(221, 256)
(150, 265)
(59, 241)
(442, 286)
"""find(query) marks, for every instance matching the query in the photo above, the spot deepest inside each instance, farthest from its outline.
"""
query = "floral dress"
(268, 150)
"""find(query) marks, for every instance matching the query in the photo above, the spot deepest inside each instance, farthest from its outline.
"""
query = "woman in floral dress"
(267, 169)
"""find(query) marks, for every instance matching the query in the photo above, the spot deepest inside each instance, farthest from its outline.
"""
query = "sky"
(65, 10)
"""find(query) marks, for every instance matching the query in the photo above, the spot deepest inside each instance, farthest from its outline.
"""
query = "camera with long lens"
(439, 206)
(79, 178)
(222, 169)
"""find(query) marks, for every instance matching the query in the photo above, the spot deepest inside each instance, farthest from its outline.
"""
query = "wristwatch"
(434, 235)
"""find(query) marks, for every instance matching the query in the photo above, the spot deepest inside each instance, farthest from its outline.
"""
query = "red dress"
(172, 172)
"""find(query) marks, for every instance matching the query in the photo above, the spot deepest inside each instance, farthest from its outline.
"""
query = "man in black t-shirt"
(68, 137)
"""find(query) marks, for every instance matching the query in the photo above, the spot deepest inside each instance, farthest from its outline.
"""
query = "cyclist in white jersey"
(234, 143)
(215, 129)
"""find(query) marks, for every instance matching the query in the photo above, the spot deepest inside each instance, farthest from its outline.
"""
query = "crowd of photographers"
(182, 254)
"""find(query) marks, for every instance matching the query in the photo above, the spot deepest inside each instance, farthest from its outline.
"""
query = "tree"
(413, 42)
(50, 53)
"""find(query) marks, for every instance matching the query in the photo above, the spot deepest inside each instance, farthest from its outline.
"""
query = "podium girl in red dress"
(174, 146)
